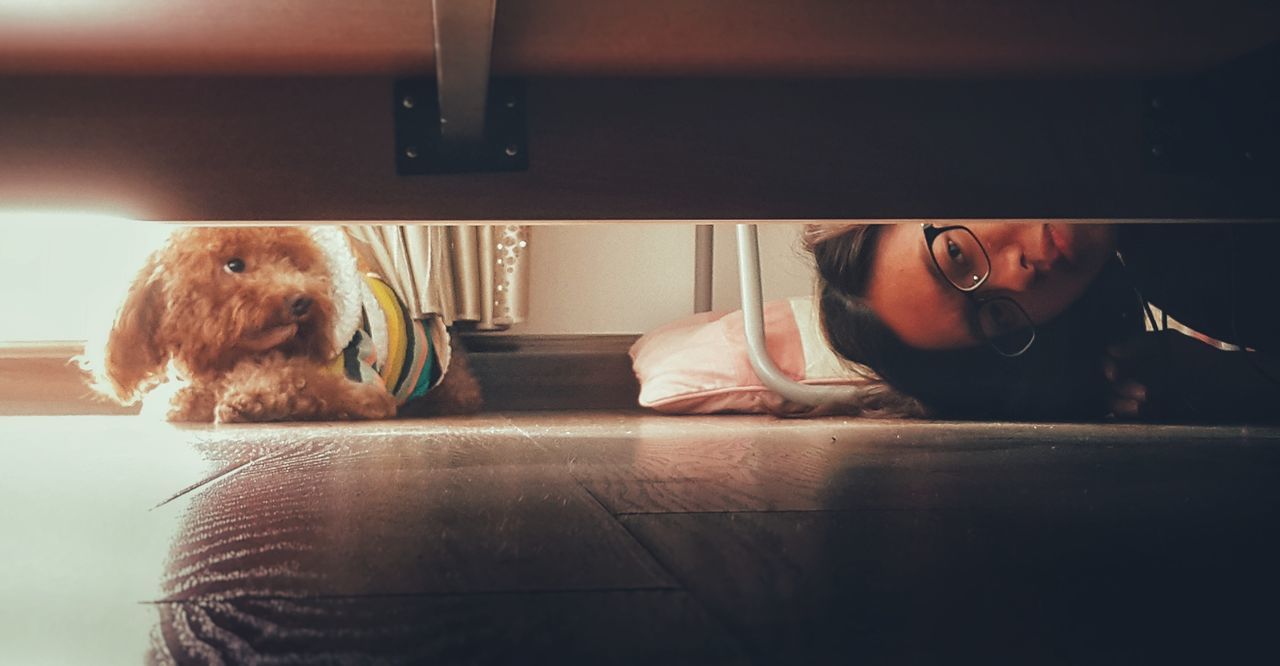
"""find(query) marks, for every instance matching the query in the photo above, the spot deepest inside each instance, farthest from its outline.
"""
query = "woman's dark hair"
(1059, 377)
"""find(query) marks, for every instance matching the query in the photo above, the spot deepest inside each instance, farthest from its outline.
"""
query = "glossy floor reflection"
(621, 537)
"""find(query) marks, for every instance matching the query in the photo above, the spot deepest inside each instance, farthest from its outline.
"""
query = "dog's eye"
(235, 265)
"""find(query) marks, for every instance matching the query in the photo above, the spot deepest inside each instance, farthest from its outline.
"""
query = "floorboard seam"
(224, 474)
(724, 626)
(633, 538)
(849, 509)
(203, 482)
(415, 595)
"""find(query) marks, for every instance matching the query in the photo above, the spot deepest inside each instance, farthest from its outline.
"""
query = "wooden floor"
(621, 537)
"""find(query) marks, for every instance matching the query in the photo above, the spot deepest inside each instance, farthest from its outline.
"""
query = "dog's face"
(232, 293)
(213, 297)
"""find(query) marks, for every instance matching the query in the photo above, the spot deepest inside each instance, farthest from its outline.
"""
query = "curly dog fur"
(238, 324)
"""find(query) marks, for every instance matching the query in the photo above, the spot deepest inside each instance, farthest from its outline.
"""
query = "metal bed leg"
(753, 319)
(463, 45)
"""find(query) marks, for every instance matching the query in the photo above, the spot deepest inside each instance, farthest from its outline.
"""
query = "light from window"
(62, 274)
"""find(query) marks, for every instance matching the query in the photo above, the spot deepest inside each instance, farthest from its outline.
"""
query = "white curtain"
(462, 273)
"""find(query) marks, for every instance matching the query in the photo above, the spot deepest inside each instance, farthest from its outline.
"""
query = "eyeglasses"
(962, 260)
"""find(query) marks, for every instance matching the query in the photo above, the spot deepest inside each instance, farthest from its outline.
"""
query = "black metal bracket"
(421, 149)
(1223, 125)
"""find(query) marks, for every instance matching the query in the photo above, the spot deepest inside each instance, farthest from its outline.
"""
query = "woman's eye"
(954, 252)
(235, 265)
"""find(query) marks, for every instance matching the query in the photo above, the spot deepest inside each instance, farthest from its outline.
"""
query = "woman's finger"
(1110, 370)
(1131, 391)
(1125, 407)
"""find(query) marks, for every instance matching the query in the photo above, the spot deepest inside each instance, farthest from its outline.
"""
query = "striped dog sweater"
(390, 347)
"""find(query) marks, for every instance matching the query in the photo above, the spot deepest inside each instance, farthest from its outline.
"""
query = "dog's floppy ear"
(131, 359)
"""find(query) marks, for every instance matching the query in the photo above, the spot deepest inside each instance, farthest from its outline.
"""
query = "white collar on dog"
(347, 283)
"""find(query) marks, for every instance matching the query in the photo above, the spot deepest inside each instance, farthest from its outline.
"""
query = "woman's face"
(1042, 266)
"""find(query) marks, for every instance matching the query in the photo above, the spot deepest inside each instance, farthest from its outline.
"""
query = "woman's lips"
(268, 338)
(1060, 242)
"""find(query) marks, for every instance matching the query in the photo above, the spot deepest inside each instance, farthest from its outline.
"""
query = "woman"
(1016, 319)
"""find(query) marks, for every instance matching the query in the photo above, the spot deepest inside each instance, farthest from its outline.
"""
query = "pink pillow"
(699, 364)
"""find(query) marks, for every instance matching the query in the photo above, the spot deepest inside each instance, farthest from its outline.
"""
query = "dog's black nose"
(299, 306)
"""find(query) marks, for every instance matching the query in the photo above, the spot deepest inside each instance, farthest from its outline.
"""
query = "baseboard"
(41, 378)
(554, 371)
(517, 372)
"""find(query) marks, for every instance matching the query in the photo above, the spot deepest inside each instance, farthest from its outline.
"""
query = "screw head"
(407, 102)
(1157, 103)
(511, 104)
(411, 152)
(1157, 151)
(512, 150)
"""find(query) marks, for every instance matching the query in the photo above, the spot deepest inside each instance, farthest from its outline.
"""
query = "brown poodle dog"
(274, 324)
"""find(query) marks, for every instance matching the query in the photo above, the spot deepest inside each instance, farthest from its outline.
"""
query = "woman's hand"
(1172, 377)
(1125, 368)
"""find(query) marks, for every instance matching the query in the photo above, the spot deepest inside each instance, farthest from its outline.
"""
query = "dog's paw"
(182, 403)
(239, 409)
(243, 407)
(189, 414)
(369, 403)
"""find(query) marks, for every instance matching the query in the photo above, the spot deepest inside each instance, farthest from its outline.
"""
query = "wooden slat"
(931, 587)
(666, 37)
(713, 473)
(643, 627)
(394, 515)
(322, 149)
(1050, 470)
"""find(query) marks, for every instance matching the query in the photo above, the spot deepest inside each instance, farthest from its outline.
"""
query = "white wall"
(630, 278)
(784, 270)
(61, 274)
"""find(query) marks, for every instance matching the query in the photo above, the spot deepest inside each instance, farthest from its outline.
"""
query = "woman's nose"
(1010, 271)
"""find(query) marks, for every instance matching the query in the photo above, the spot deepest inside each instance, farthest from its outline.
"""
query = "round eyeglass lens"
(1006, 326)
(961, 258)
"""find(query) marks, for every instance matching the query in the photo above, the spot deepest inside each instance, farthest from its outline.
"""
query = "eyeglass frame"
(931, 234)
